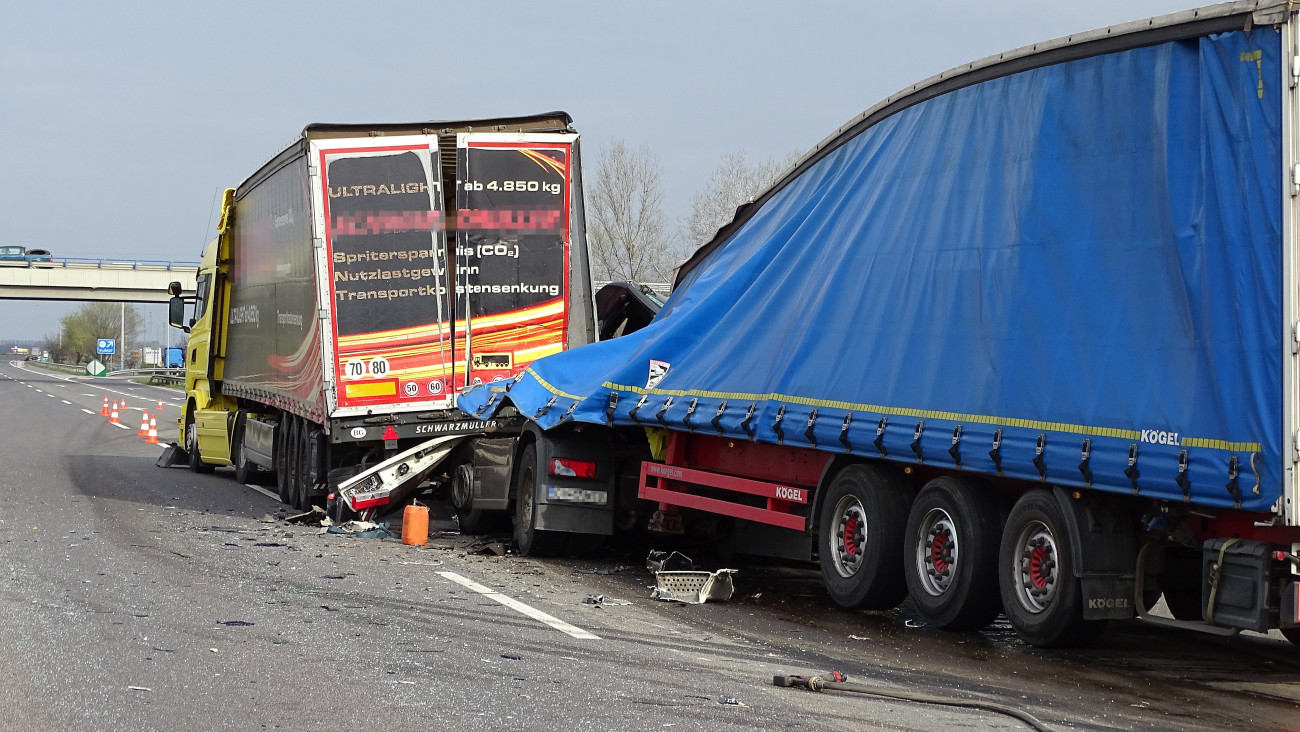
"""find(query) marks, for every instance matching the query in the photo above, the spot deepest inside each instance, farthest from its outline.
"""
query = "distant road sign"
(95, 368)
(106, 345)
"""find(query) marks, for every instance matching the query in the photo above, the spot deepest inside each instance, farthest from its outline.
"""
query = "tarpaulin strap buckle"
(776, 425)
(1132, 470)
(660, 415)
(808, 433)
(844, 432)
(639, 403)
(609, 410)
(518, 378)
(744, 424)
(569, 412)
(1039, 462)
(690, 409)
(1085, 458)
(916, 441)
(955, 450)
(1182, 480)
(996, 452)
(1233, 490)
(880, 436)
(717, 418)
(545, 408)
(485, 405)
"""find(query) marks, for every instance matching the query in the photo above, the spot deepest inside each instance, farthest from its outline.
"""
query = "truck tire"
(302, 467)
(282, 486)
(860, 538)
(529, 540)
(1040, 593)
(292, 446)
(951, 554)
(1181, 584)
(243, 470)
(472, 520)
(192, 445)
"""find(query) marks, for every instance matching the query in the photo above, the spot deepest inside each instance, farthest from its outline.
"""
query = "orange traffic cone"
(160, 405)
(103, 411)
(144, 424)
(112, 417)
(123, 405)
(152, 439)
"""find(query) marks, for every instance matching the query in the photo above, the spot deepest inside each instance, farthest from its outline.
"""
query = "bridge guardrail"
(165, 265)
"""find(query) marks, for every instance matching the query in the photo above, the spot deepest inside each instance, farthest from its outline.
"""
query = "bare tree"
(626, 229)
(734, 182)
(95, 320)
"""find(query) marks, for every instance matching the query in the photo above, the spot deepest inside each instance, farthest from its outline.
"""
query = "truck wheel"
(243, 470)
(302, 467)
(951, 563)
(861, 538)
(472, 520)
(292, 446)
(282, 486)
(1040, 594)
(531, 541)
(192, 446)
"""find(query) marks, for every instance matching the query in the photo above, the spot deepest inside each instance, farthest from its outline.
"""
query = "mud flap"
(174, 457)
(1104, 546)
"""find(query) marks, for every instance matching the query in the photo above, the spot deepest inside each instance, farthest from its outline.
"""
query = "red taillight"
(566, 468)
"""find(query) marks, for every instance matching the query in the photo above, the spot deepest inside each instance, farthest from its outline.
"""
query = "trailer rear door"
(389, 321)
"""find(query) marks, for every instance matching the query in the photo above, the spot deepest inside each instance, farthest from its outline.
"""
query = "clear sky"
(122, 121)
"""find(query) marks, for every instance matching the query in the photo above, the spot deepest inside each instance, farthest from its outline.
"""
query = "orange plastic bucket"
(415, 525)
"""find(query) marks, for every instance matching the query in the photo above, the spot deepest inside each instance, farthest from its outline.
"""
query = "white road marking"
(51, 396)
(87, 411)
(273, 496)
(65, 401)
(119, 424)
(519, 607)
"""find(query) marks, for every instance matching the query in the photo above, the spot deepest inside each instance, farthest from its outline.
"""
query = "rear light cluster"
(568, 468)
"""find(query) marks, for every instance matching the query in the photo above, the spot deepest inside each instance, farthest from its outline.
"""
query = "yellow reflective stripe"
(1029, 424)
(547, 386)
(370, 389)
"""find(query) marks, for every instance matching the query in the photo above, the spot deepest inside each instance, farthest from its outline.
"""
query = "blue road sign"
(106, 345)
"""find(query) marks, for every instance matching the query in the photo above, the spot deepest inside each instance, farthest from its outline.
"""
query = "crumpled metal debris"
(679, 582)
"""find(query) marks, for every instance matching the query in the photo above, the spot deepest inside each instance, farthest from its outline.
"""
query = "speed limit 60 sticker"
(358, 368)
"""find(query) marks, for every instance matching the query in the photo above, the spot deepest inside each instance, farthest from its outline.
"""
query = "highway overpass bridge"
(111, 280)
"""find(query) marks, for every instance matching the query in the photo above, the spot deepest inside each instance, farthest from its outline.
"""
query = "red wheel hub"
(852, 539)
(938, 551)
(1038, 572)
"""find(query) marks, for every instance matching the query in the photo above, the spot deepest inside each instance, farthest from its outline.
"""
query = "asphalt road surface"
(142, 598)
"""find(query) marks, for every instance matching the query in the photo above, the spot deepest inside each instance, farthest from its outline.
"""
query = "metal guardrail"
(165, 265)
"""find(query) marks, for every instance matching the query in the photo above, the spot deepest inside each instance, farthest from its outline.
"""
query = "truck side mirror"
(176, 314)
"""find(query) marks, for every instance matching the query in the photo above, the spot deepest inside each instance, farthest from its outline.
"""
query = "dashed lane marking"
(273, 496)
(520, 607)
(65, 401)
(119, 424)
(87, 411)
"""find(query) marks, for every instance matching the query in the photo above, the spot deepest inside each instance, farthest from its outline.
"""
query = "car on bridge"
(17, 254)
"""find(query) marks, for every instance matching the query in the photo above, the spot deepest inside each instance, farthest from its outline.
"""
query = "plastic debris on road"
(603, 600)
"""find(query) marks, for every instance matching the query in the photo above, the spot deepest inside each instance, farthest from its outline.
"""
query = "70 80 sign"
(357, 368)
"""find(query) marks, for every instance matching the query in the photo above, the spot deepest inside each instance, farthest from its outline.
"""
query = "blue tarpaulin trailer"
(1059, 282)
